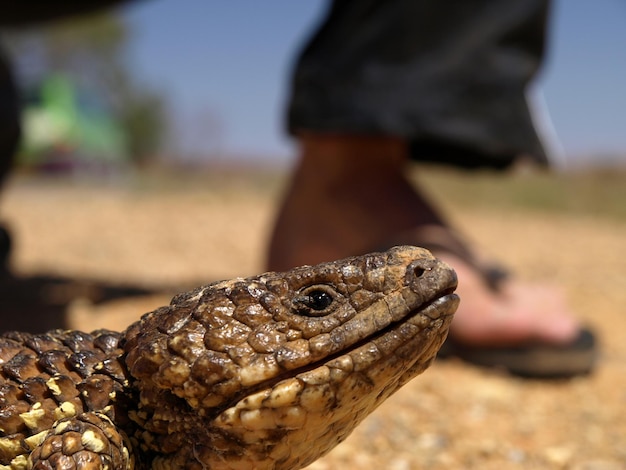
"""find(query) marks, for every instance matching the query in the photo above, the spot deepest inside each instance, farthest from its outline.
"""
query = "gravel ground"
(455, 416)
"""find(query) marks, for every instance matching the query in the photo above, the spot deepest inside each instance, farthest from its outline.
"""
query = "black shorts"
(450, 76)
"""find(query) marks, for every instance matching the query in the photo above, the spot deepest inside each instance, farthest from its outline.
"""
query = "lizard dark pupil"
(318, 300)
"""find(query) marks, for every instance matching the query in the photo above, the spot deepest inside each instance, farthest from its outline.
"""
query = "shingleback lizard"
(268, 372)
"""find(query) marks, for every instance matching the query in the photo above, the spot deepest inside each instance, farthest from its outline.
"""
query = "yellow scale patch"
(32, 416)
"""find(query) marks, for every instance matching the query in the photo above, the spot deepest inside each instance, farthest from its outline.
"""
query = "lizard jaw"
(329, 399)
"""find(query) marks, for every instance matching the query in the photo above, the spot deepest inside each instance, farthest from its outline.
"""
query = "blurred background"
(154, 159)
(197, 83)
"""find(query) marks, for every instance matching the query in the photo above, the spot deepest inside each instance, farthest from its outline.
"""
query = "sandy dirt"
(134, 238)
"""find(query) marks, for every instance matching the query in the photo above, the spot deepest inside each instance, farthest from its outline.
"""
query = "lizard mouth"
(428, 320)
(402, 343)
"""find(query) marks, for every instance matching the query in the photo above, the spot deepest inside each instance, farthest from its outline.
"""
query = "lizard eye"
(316, 301)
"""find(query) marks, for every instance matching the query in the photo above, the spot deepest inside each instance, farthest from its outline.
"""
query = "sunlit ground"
(162, 231)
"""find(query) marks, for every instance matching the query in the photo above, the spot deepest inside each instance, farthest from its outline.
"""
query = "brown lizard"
(268, 372)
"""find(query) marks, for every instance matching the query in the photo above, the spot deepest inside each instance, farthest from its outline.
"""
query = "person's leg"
(346, 194)
(438, 80)
(384, 79)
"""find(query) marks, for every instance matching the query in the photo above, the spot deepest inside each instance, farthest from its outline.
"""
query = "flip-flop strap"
(438, 239)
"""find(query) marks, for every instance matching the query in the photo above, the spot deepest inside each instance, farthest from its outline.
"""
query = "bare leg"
(347, 194)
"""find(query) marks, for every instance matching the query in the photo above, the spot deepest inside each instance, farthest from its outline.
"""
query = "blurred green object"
(65, 129)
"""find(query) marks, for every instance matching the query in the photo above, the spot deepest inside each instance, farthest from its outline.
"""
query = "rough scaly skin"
(268, 372)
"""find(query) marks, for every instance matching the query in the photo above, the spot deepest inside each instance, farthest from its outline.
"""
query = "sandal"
(531, 359)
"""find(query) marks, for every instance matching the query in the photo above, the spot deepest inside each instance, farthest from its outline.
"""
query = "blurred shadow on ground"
(40, 303)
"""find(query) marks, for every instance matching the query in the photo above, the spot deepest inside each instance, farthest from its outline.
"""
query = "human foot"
(511, 314)
(496, 309)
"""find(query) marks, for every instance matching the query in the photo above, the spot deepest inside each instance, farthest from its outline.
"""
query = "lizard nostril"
(418, 271)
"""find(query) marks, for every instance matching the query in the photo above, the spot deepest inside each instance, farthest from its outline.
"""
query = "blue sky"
(224, 66)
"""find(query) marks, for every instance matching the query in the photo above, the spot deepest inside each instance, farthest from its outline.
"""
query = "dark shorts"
(450, 76)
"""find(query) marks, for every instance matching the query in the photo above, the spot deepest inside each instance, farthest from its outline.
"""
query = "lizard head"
(273, 371)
